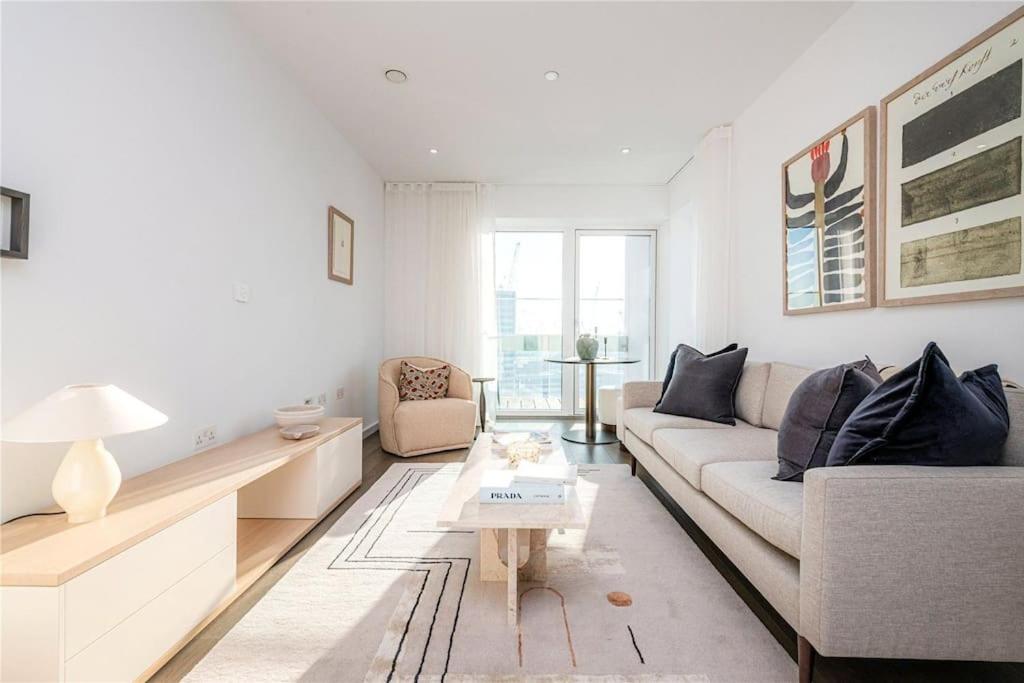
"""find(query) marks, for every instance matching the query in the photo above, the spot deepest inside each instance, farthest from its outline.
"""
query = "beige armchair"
(410, 428)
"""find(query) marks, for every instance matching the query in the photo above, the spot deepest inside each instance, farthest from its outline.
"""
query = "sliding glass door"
(609, 277)
(615, 302)
(529, 313)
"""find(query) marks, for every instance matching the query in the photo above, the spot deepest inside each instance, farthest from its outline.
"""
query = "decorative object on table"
(88, 477)
(423, 384)
(816, 412)
(299, 432)
(504, 442)
(500, 486)
(289, 416)
(703, 387)
(546, 473)
(483, 401)
(15, 223)
(828, 221)
(586, 346)
(604, 354)
(590, 434)
(926, 415)
(340, 252)
(522, 451)
(951, 176)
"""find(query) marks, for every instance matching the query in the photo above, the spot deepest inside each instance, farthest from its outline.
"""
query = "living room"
(299, 298)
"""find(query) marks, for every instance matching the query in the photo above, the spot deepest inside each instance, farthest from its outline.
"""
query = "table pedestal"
(590, 434)
(526, 559)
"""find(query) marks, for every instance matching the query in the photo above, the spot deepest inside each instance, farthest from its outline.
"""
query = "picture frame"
(828, 220)
(340, 246)
(951, 201)
(15, 223)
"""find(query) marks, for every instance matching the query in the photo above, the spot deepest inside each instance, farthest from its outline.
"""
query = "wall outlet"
(204, 438)
(339, 394)
(321, 400)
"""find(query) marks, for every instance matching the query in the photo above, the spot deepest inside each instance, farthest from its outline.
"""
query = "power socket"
(340, 393)
(204, 438)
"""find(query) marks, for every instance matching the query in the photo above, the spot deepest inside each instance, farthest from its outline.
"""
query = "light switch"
(241, 292)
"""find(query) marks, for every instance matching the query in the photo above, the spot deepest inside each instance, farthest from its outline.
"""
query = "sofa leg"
(805, 655)
(632, 464)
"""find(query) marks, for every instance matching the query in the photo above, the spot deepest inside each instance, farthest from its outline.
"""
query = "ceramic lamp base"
(86, 481)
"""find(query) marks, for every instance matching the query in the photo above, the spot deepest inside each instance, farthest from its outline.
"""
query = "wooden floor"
(376, 462)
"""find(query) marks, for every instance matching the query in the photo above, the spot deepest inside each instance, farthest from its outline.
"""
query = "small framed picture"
(340, 233)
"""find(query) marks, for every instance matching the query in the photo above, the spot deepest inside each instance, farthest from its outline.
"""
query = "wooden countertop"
(48, 551)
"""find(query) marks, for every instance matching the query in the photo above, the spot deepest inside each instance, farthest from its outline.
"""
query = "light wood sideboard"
(114, 599)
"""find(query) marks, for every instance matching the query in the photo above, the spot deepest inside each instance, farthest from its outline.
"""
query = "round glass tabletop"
(576, 360)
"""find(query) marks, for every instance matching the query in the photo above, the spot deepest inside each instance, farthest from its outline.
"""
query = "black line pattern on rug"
(379, 512)
(633, 638)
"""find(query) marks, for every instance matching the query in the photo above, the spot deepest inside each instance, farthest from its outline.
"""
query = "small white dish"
(298, 415)
(297, 432)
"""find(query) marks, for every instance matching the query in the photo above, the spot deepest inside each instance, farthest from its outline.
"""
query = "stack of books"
(531, 484)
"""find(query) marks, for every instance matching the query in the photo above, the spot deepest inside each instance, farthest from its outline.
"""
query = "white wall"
(167, 158)
(869, 52)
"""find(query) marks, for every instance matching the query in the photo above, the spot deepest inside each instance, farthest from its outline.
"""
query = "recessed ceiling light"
(433, 150)
(625, 150)
(395, 76)
(551, 75)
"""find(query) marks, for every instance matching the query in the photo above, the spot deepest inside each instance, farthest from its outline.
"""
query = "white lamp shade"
(82, 411)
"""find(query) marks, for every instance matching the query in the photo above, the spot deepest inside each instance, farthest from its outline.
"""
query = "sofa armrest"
(640, 394)
(387, 403)
(913, 562)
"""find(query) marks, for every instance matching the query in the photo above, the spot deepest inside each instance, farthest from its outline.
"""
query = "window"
(610, 277)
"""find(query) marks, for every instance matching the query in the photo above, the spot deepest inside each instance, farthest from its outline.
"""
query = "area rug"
(386, 595)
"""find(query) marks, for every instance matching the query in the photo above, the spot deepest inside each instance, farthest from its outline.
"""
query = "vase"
(586, 346)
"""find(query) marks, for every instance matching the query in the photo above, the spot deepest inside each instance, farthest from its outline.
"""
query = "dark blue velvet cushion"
(925, 415)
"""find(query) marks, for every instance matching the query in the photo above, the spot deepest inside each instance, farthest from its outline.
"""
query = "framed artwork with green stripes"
(951, 176)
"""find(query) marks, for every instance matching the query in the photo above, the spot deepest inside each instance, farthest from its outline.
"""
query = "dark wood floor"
(376, 462)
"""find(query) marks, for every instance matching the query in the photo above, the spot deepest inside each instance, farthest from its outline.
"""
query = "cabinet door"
(339, 468)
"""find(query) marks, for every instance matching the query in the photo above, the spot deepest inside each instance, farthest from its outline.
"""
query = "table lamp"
(88, 477)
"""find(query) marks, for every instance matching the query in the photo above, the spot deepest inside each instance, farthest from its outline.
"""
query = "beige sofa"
(409, 428)
(861, 561)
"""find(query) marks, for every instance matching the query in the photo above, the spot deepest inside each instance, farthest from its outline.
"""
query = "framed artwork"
(340, 234)
(951, 176)
(828, 214)
(14, 206)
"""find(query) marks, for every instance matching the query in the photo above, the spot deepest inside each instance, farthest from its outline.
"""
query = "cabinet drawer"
(106, 595)
(339, 468)
(131, 647)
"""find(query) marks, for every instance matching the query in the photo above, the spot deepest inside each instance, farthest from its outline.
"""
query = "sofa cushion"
(771, 509)
(783, 380)
(423, 384)
(672, 363)
(1013, 451)
(750, 392)
(437, 424)
(644, 422)
(703, 386)
(926, 415)
(816, 412)
(689, 450)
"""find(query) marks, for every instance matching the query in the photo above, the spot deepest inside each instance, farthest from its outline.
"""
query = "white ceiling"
(650, 76)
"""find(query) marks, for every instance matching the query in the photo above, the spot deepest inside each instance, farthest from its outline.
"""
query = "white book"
(498, 486)
(539, 473)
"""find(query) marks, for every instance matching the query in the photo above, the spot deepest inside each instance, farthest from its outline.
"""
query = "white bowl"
(298, 415)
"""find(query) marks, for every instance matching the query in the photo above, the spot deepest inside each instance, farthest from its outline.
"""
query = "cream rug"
(387, 596)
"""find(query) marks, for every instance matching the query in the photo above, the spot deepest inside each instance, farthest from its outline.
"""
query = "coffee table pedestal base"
(525, 558)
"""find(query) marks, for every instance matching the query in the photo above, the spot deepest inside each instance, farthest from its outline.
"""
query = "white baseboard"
(371, 429)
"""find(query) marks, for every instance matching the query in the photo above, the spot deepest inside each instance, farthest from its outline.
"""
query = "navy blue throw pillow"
(925, 415)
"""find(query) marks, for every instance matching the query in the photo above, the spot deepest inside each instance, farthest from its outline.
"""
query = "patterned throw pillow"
(423, 384)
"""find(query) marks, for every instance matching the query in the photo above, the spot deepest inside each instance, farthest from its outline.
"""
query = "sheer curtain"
(712, 238)
(439, 282)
